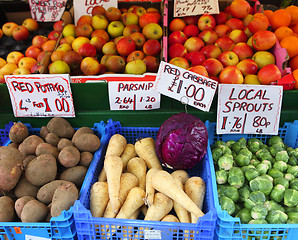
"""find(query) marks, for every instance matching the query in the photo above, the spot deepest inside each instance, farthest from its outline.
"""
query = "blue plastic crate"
(229, 227)
(89, 227)
(61, 227)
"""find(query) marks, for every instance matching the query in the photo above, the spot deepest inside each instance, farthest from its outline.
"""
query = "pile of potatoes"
(40, 176)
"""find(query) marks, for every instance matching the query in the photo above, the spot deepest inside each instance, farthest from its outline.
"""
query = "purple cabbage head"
(181, 141)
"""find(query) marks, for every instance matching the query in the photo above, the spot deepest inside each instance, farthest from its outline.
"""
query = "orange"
(282, 32)
(293, 10)
(293, 63)
(290, 43)
(268, 13)
(280, 18)
(295, 75)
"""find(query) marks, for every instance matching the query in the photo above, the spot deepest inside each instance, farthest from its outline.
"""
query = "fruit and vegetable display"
(41, 174)
(257, 181)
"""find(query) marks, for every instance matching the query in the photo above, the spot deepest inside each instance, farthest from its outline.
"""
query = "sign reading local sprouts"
(195, 7)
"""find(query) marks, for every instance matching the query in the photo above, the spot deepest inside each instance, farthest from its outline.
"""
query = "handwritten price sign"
(185, 86)
(133, 95)
(191, 8)
(249, 109)
(42, 95)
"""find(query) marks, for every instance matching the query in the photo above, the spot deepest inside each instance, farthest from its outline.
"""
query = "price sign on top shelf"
(248, 109)
(40, 95)
(47, 10)
(185, 86)
(191, 8)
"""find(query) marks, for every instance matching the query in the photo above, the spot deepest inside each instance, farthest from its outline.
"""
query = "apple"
(137, 54)
(152, 31)
(87, 50)
(247, 66)
(115, 29)
(84, 19)
(222, 30)
(100, 33)
(228, 58)
(135, 67)
(8, 27)
(8, 68)
(53, 35)
(49, 46)
(98, 10)
(195, 58)
(105, 57)
(251, 79)
(191, 30)
(191, 19)
(263, 58)
(21, 71)
(73, 59)
(79, 41)
(64, 47)
(258, 22)
(13, 57)
(113, 14)
(177, 37)
(177, 24)
(109, 48)
(231, 75)
(234, 23)
(177, 50)
(180, 62)
(20, 33)
(57, 55)
(199, 69)
(243, 50)
(208, 36)
(115, 64)
(139, 39)
(238, 36)
(33, 51)
(69, 30)
(99, 22)
(84, 30)
(220, 18)
(59, 67)
(2, 62)
(211, 51)
(213, 66)
(41, 56)
(152, 63)
(206, 21)
(130, 18)
(194, 44)
(58, 26)
(30, 24)
(98, 43)
(269, 74)
(239, 8)
(247, 32)
(2, 79)
(147, 18)
(249, 42)
(130, 29)
(247, 20)
(131, 8)
(125, 46)
(90, 66)
(152, 47)
(225, 43)
(139, 10)
(263, 40)
(39, 40)
(26, 62)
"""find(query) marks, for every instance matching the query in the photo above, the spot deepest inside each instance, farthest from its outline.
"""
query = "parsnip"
(170, 218)
(180, 175)
(145, 148)
(128, 153)
(150, 190)
(182, 214)
(138, 167)
(135, 214)
(99, 197)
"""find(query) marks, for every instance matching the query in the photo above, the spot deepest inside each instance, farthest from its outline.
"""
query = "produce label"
(152, 234)
(185, 86)
(248, 109)
(85, 7)
(133, 95)
(47, 10)
(195, 7)
(40, 95)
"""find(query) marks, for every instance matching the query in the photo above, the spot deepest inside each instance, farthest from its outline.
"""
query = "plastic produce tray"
(228, 227)
(61, 227)
(89, 227)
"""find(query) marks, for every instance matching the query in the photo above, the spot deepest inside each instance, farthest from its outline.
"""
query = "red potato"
(18, 132)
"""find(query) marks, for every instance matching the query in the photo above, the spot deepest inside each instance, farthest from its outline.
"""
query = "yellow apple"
(79, 42)
(69, 30)
(263, 58)
(8, 68)
(59, 67)
(14, 57)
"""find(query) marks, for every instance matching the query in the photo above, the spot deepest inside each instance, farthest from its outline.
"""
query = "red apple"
(211, 51)
(39, 40)
(84, 30)
(263, 40)
(147, 18)
(139, 10)
(73, 59)
(139, 39)
(137, 54)
(191, 30)
(20, 33)
(269, 74)
(113, 14)
(243, 51)
(228, 58)
(98, 43)
(36, 68)
(238, 36)
(100, 33)
(248, 66)
(90, 66)
(177, 24)
(193, 44)
(79, 41)
(258, 22)
(199, 69)
(177, 50)
(58, 26)
(53, 35)
(235, 23)
(33, 51)
(239, 8)
(231, 75)
(130, 29)
(220, 18)
(30, 24)
(57, 55)
(195, 58)
(225, 43)
(68, 40)
(222, 30)
(208, 36)
(177, 37)
(87, 50)
(191, 19)
(84, 19)
(152, 47)
(41, 56)
(180, 62)
(109, 48)
(152, 63)
(213, 66)
(125, 46)
(206, 21)
(115, 64)
(98, 10)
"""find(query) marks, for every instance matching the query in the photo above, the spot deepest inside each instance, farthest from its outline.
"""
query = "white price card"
(30, 237)
(190, 8)
(47, 10)
(40, 95)
(248, 109)
(133, 95)
(152, 234)
(185, 86)
(85, 7)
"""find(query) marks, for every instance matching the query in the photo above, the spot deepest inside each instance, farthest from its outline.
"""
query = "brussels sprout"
(272, 205)
(246, 152)
(282, 181)
(242, 160)
(237, 146)
(276, 217)
(251, 174)
(216, 154)
(258, 212)
(277, 147)
(293, 217)
(273, 140)
(262, 168)
(254, 198)
(257, 221)
(291, 197)
(255, 162)
(292, 161)
(230, 143)
(227, 204)
(238, 207)
(280, 165)
(254, 144)
(264, 154)
(218, 143)
(231, 192)
(268, 163)
(243, 193)
(289, 209)
(244, 215)
(282, 156)
(226, 162)
(289, 176)
(225, 149)
(273, 172)
(246, 168)
(220, 189)
(234, 154)
(293, 170)
(294, 184)
(262, 184)
(221, 176)
(277, 193)
(266, 176)
(236, 177)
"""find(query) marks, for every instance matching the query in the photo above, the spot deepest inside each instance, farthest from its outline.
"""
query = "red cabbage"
(181, 141)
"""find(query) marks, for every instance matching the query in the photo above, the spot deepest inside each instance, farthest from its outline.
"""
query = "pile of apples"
(233, 46)
(112, 40)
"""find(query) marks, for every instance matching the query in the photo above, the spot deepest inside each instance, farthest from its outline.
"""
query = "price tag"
(152, 234)
(85, 7)
(191, 8)
(47, 10)
(185, 86)
(133, 95)
(40, 95)
(30, 237)
(249, 109)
